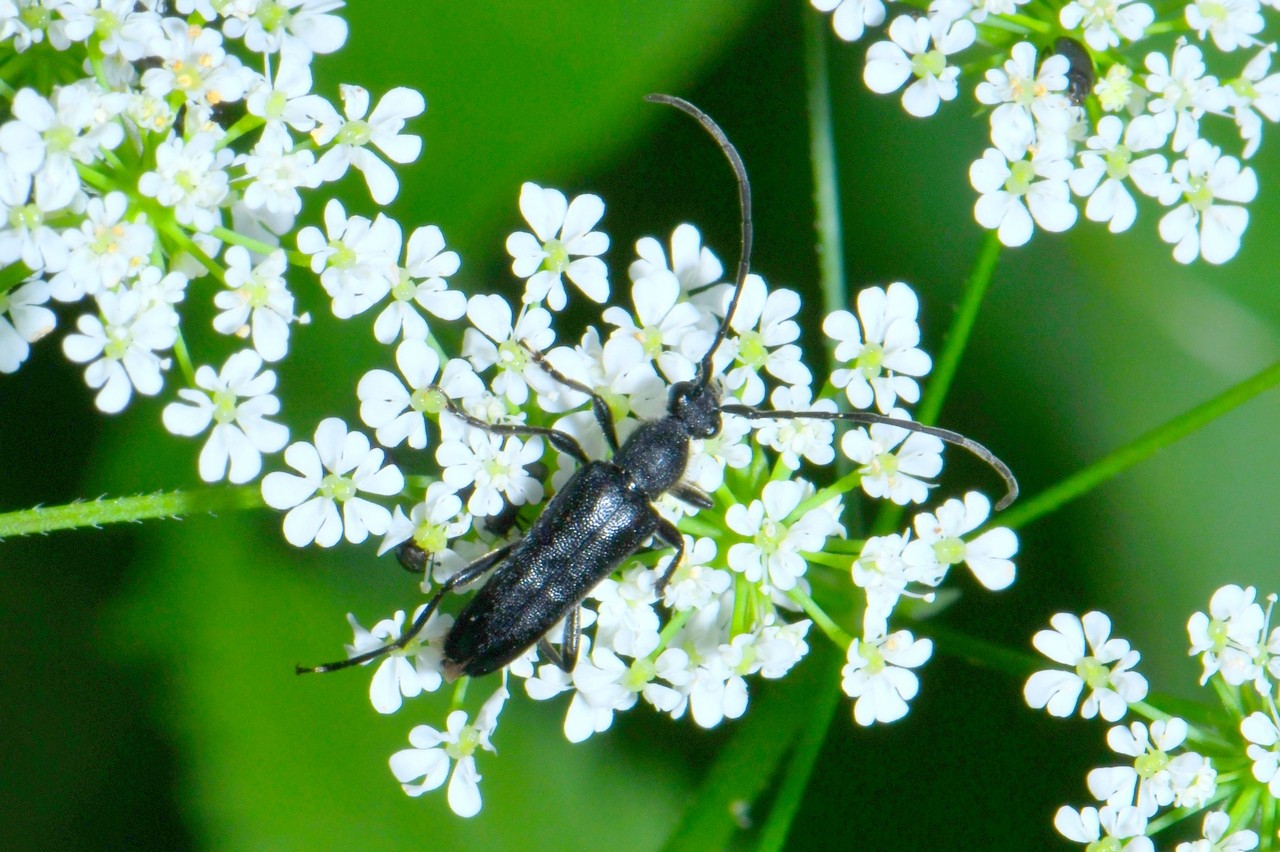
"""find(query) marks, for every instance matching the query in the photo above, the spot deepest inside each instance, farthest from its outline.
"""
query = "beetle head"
(696, 405)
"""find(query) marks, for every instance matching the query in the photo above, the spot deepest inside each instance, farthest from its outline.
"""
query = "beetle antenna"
(945, 435)
(744, 204)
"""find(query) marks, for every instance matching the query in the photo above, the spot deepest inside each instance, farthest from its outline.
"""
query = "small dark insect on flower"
(1080, 72)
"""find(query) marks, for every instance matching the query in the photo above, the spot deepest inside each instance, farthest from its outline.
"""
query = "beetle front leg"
(567, 657)
(667, 532)
(600, 408)
(468, 574)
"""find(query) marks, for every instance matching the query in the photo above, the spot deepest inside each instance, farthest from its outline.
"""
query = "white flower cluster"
(181, 149)
(733, 607)
(1236, 764)
(1091, 116)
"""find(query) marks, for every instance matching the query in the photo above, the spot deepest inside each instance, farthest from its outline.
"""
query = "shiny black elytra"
(605, 512)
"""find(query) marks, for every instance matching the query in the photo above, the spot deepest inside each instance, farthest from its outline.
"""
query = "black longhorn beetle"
(605, 512)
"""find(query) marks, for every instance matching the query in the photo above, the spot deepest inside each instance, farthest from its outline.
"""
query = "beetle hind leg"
(566, 659)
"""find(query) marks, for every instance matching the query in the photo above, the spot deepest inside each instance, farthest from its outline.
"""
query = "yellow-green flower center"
(933, 62)
(1216, 12)
(651, 339)
(271, 15)
(770, 536)
(949, 551)
(1021, 176)
(59, 138)
(343, 257)
(875, 659)
(1118, 162)
(224, 406)
(340, 488)
(256, 294)
(1218, 635)
(1199, 196)
(1151, 764)
(870, 361)
(36, 17)
(105, 239)
(117, 343)
(1106, 844)
(468, 742)
(405, 288)
(26, 216)
(557, 259)
(641, 672)
(512, 355)
(1093, 673)
(428, 400)
(105, 22)
(1244, 88)
(276, 102)
(751, 349)
(884, 464)
(431, 538)
(356, 132)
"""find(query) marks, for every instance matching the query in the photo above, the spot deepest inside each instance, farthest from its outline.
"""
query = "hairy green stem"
(1143, 448)
(115, 510)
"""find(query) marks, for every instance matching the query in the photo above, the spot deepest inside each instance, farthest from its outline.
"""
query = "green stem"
(840, 486)
(184, 242)
(795, 776)
(1143, 448)
(227, 235)
(979, 652)
(745, 765)
(115, 510)
(944, 369)
(181, 353)
(948, 363)
(1032, 25)
(825, 623)
(240, 128)
(824, 694)
(826, 193)
(12, 275)
(822, 157)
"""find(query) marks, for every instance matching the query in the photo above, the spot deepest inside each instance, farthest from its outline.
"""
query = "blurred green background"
(147, 681)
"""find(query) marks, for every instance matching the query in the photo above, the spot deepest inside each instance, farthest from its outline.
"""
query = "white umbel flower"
(435, 752)
(878, 675)
(879, 348)
(1202, 225)
(332, 471)
(237, 401)
(353, 135)
(1097, 661)
(919, 48)
(562, 244)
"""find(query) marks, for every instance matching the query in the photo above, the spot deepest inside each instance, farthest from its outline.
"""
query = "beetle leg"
(600, 408)
(469, 574)
(954, 438)
(691, 494)
(567, 657)
(562, 441)
(667, 532)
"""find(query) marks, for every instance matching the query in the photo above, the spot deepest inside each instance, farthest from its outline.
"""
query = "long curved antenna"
(954, 438)
(744, 204)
